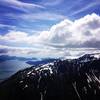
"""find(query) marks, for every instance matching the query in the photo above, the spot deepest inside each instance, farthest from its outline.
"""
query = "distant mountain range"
(6, 57)
(31, 61)
(41, 62)
(76, 79)
(11, 64)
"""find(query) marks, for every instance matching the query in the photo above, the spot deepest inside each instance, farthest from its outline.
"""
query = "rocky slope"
(77, 79)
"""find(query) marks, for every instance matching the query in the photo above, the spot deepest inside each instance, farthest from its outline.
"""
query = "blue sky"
(37, 18)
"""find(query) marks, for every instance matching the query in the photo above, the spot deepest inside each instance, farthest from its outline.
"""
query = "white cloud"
(46, 52)
(30, 52)
(8, 26)
(38, 16)
(14, 36)
(43, 16)
(51, 2)
(81, 33)
(76, 33)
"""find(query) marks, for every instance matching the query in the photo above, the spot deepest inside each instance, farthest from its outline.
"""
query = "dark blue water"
(8, 68)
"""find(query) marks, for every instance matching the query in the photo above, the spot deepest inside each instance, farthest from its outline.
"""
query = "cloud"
(88, 6)
(44, 52)
(43, 16)
(51, 2)
(14, 36)
(16, 4)
(62, 38)
(76, 33)
(29, 52)
(38, 16)
(7, 26)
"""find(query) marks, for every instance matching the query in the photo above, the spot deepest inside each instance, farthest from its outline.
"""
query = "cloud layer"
(83, 33)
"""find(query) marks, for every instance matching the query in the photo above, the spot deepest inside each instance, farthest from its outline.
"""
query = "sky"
(49, 28)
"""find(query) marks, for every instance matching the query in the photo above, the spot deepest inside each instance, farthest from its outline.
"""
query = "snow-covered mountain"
(77, 79)
(9, 65)
(89, 57)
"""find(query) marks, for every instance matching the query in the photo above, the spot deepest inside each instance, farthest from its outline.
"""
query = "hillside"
(76, 79)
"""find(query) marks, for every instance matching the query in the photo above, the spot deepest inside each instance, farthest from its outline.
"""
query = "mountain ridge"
(60, 80)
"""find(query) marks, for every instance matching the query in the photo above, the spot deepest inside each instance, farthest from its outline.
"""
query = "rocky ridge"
(76, 79)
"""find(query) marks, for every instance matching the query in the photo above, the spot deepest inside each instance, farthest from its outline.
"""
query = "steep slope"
(75, 79)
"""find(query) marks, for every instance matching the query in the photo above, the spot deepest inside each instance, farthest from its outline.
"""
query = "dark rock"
(62, 80)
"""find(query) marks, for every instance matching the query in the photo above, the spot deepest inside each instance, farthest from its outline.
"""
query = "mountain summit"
(76, 79)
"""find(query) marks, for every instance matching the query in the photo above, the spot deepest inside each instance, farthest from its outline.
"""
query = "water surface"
(9, 67)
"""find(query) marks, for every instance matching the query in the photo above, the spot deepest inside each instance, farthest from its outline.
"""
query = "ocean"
(10, 67)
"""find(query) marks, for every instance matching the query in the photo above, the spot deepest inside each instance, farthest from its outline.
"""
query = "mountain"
(76, 79)
(9, 65)
(89, 57)
(41, 61)
(31, 61)
(6, 57)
